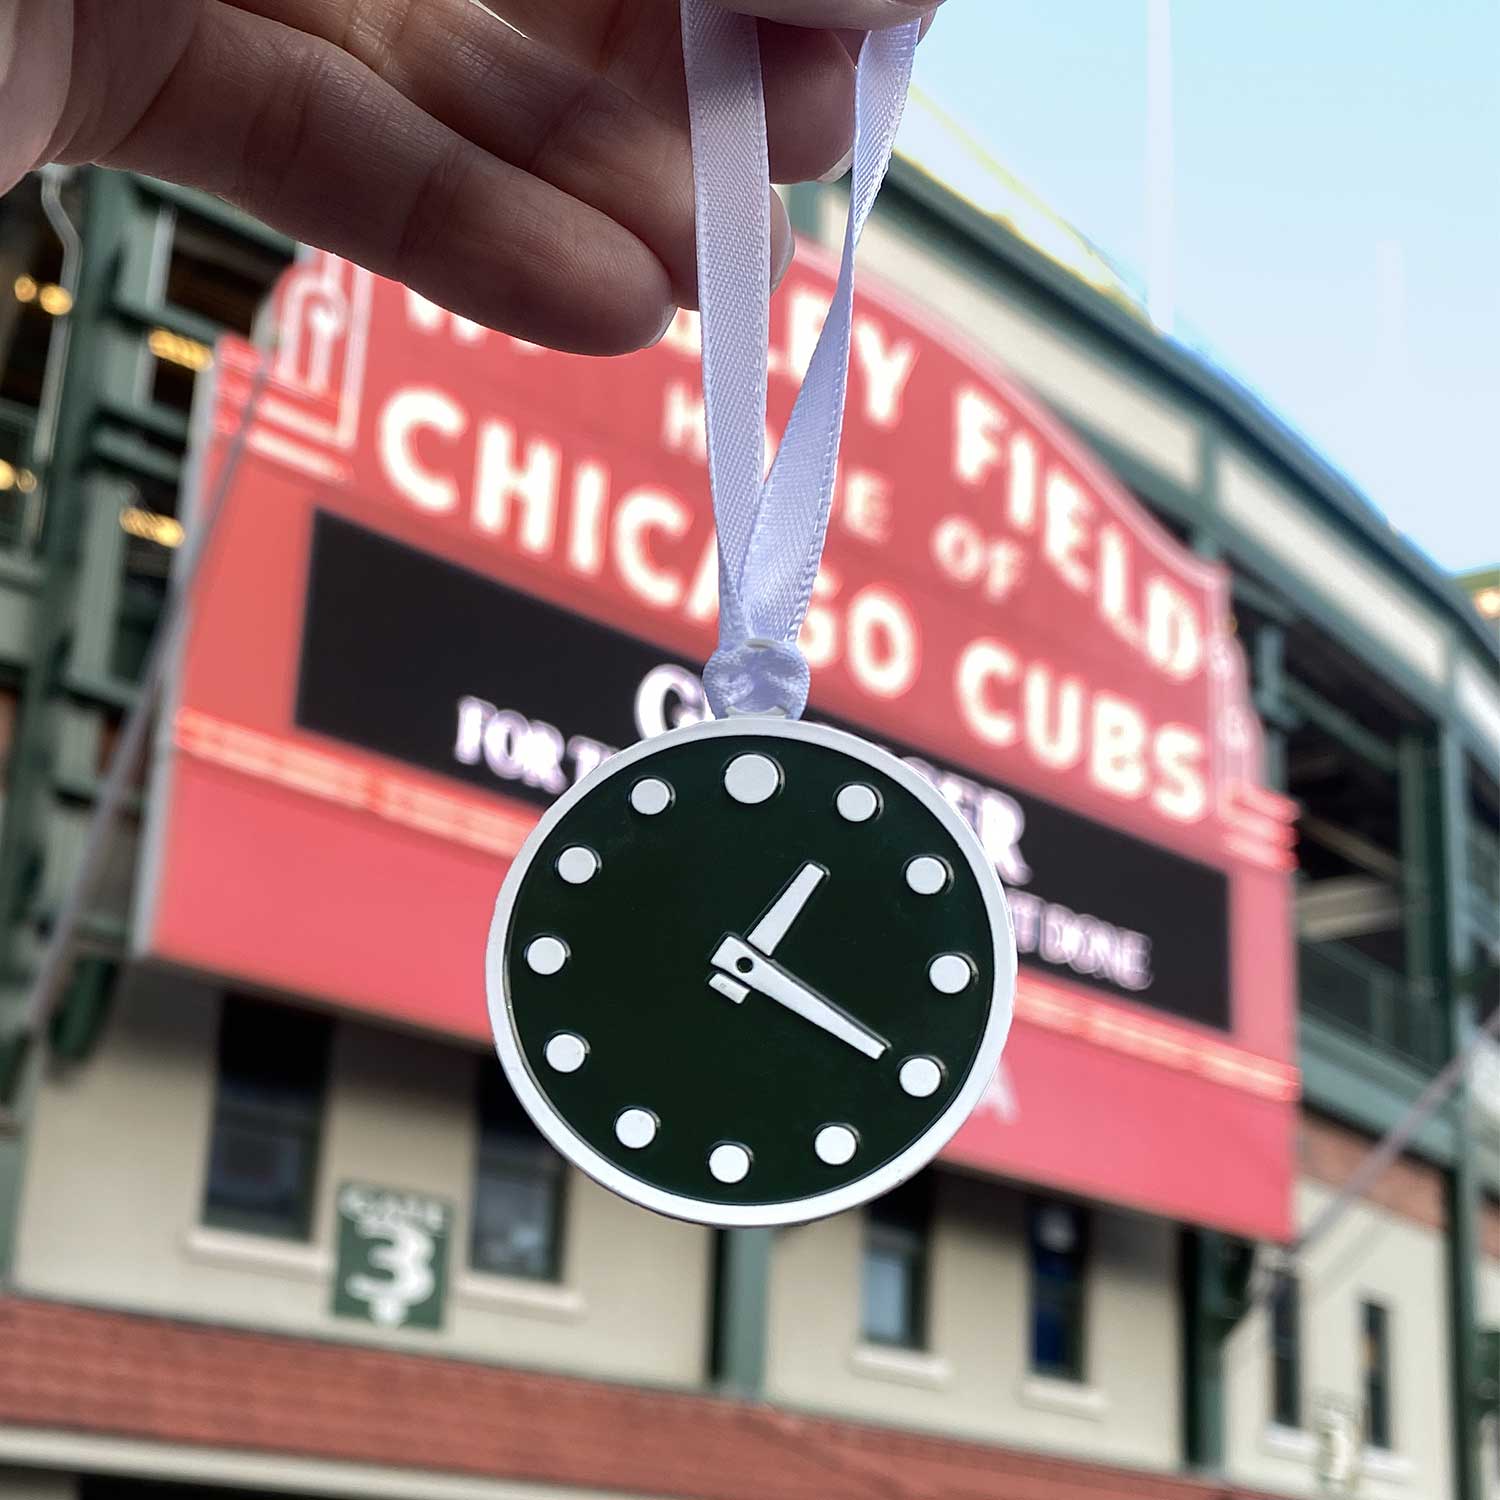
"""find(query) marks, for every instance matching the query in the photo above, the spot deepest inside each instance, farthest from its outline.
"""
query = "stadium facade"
(270, 1221)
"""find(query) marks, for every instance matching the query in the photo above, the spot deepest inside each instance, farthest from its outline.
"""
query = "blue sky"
(1337, 226)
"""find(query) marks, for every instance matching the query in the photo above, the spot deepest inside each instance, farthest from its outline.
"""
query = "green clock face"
(751, 972)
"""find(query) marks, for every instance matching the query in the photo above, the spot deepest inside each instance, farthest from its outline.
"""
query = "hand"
(759, 973)
(531, 173)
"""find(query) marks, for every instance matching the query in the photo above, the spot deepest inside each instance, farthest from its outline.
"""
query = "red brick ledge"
(123, 1375)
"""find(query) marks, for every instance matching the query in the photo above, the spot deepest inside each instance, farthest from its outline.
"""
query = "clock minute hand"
(737, 957)
(786, 908)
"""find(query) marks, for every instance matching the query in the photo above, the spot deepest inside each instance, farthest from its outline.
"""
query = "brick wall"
(1330, 1153)
(154, 1379)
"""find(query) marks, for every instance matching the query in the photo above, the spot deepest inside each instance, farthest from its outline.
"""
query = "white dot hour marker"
(950, 973)
(635, 1128)
(566, 1052)
(920, 1076)
(546, 955)
(577, 865)
(650, 797)
(927, 875)
(835, 1145)
(729, 1163)
(752, 778)
(857, 803)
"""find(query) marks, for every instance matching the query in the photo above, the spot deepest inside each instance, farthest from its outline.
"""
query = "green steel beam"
(741, 1298)
(105, 692)
(1273, 605)
(132, 453)
(158, 421)
(1351, 1079)
(1425, 896)
(149, 314)
(21, 573)
(13, 1106)
(1463, 1247)
(28, 792)
(1214, 1272)
(1202, 1366)
(1268, 688)
(1338, 725)
(105, 215)
(1448, 875)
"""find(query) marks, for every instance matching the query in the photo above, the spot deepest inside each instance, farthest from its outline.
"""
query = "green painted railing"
(1341, 985)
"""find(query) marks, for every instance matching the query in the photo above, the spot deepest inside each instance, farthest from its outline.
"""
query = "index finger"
(861, 15)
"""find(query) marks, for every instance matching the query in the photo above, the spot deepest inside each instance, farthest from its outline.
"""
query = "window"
(1059, 1249)
(219, 272)
(1377, 1373)
(1286, 1350)
(268, 1112)
(518, 1189)
(893, 1279)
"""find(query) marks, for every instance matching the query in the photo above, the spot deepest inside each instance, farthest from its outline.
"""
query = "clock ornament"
(751, 972)
(755, 971)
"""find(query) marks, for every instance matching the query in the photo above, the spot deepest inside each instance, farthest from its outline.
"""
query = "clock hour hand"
(772, 927)
(734, 956)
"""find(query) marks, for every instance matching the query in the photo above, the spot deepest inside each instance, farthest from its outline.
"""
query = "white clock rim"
(683, 1206)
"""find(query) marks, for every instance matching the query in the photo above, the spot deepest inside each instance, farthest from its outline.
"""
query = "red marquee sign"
(454, 571)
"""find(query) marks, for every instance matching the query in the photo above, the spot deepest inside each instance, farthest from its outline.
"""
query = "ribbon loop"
(770, 528)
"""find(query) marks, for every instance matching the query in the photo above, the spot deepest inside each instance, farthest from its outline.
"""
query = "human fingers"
(637, 44)
(301, 133)
(861, 15)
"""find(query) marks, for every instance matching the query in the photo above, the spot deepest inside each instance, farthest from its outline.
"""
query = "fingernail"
(838, 169)
(783, 241)
(661, 332)
(788, 255)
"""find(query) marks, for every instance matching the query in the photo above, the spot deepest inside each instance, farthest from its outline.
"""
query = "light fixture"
(151, 526)
(1487, 601)
(55, 301)
(175, 349)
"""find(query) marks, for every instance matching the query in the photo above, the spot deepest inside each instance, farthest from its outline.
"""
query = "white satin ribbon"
(770, 528)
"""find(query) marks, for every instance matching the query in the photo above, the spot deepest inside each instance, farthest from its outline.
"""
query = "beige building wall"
(972, 1380)
(114, 1178)
(1370, 1255)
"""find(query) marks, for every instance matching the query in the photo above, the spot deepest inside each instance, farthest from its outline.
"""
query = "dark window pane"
(1377, 1373)
(218, 273)
(518, 1189)
(263, 1157)
(888, 1294)
(1286, 1351)
(1058, 1236)
(514, 1222)
(894, 1274)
